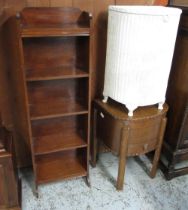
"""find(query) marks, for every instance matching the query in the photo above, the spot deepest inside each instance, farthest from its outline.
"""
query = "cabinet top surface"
(118, 111)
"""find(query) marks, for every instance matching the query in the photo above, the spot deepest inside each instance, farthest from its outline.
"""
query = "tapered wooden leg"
(158, 150)
(88, 181)
(122, 157)
(36, 193)
(94, 152)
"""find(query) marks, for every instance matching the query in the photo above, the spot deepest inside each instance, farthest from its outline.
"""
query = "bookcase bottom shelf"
(63, 165)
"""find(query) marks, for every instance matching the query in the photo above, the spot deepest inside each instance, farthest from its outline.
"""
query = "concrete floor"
(140, 192)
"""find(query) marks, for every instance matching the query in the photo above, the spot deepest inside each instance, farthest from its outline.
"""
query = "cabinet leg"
(94, 141)
(122, 157)
(158, 150)
(87, 179)
(169, 172)
(36, 193)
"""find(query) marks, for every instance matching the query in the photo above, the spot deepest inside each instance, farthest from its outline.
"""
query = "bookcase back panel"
(60, 125)
(53, 16)
(65, 90)
(57, 97)
(55, 56)
(59, 134)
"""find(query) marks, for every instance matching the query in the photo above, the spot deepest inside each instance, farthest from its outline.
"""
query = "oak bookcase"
(51, 82)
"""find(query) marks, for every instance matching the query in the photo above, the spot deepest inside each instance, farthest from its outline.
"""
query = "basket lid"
(146, 10)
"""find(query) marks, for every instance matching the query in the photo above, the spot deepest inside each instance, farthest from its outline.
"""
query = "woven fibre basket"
(140, 46)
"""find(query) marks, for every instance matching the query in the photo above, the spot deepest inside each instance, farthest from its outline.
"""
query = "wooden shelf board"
(55, 73)
(68, 139)
(56, 109)
(59, 166)
(59, 30)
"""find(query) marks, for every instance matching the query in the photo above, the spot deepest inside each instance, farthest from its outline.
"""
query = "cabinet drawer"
(141, 140)
(3, 200)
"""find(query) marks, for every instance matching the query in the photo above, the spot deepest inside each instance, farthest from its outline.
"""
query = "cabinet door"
(184, 132)
(3, 191)
(8, 185)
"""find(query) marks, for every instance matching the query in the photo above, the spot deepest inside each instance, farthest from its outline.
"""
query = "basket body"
(140, 48)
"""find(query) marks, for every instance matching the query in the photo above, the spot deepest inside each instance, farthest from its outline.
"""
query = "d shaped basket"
(140, 46)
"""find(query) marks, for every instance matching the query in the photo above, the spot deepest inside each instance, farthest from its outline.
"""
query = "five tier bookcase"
(51, 82)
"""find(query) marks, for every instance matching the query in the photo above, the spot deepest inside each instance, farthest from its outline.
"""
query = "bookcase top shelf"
(40, 22)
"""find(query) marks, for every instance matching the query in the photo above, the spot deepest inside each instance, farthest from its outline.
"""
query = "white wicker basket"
(140, 48)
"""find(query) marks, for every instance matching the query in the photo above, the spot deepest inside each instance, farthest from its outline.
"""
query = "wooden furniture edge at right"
(174, 154)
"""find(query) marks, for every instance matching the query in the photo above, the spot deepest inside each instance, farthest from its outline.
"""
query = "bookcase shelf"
(67, 164)
(55, 73)
(53, 109)
(56, 56)
(49, 99)
(52, 79)
(61, 141)
(59, 134)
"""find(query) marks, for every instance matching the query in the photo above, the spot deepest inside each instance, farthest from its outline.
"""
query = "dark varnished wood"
(12, 46)
(5, 88)
(9, 187)
(128, 136)
(22, 153)
(175, 148)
